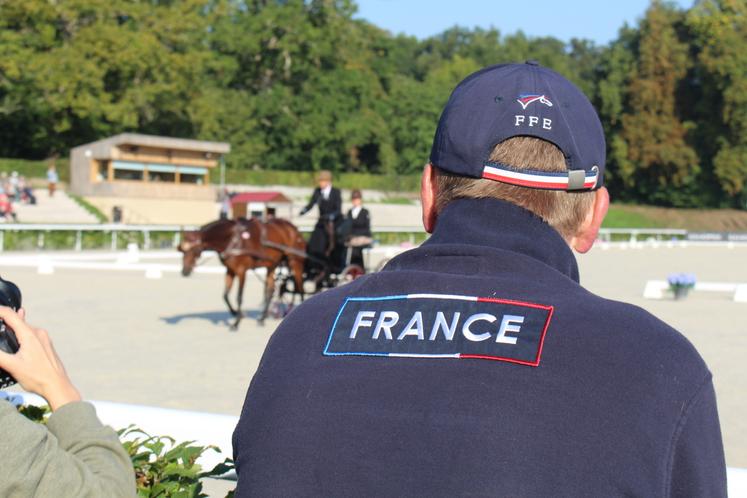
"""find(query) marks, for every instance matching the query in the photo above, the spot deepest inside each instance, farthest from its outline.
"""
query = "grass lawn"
(622, 217)
(35, 169)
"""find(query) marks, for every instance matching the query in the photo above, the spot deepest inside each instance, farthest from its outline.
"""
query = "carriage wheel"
(284, 297)
(350, 273)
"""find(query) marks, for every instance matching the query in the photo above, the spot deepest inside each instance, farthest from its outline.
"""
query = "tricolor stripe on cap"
(544, 180)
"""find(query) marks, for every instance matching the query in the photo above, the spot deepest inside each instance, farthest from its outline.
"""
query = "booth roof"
(246, 197)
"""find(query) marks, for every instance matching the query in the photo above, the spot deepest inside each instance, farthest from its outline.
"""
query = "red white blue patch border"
(534, 363)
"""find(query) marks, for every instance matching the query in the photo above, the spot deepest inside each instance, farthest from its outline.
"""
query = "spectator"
(476, 364)
(13, 193)
(225, 205)
(52, 179)
(6, 207)
(74, 455)
(27, 194)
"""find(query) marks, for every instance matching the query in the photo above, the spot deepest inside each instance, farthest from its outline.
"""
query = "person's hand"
(36, 365)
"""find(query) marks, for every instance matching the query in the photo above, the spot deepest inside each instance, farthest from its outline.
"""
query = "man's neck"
(502, 225)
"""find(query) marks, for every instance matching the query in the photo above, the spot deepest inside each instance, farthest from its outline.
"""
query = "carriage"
(278, 246)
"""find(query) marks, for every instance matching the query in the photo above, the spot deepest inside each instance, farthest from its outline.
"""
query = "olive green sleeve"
(75, 456)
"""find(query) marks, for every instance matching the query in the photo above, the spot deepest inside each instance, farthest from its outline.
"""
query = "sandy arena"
(164, 342)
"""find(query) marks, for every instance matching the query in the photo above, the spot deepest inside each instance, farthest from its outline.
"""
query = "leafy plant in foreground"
(164, 468)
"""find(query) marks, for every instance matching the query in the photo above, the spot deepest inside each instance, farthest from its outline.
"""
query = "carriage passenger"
(321, 244)
(359, 220)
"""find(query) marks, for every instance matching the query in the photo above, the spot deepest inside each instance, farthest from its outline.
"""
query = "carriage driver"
(329, 201)
(476, 364)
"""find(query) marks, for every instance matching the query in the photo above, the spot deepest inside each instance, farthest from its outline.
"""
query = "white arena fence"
(118, 236)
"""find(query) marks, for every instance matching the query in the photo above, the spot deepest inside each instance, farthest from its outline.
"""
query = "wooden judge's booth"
(137, 165)
(262, 205)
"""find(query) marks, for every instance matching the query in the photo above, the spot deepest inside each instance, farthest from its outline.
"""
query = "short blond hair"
(564, 211)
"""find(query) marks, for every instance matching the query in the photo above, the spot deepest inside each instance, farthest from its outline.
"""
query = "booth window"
(102, 174)
(124, 170)
(160, 176)
(161, 173)
(192, 175)
(164, 173)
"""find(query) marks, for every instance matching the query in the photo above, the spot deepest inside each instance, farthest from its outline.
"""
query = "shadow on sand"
(214, 317)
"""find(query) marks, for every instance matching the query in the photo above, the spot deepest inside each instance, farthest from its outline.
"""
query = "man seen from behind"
(476, 364)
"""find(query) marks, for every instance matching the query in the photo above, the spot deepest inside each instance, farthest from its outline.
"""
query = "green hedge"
(393, 183)
(397, 183)
(30, 240)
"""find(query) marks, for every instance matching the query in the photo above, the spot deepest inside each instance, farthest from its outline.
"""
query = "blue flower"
(681, 280)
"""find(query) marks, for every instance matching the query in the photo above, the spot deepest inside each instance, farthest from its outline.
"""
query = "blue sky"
(563, 19)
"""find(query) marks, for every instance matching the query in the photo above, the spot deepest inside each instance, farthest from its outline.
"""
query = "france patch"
(440, 326)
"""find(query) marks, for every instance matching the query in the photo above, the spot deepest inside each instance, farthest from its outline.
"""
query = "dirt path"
(720, 220)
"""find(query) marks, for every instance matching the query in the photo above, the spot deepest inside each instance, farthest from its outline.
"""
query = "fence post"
(114, 240)
(78, 240)
(2, 240)
(40, 240)
(177, 239)
(146, 239)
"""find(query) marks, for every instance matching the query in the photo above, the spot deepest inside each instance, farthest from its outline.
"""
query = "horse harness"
(232, 250)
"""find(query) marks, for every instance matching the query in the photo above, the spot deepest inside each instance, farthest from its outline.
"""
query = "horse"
(247, 244)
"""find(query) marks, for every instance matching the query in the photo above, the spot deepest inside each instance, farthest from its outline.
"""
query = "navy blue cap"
(510, 100)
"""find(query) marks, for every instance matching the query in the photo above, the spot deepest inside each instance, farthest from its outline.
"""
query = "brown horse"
(245, 245)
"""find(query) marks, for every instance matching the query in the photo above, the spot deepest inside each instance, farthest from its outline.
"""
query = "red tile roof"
(246, 197)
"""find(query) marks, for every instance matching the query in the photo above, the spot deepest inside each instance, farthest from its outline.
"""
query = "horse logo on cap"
(526, 99)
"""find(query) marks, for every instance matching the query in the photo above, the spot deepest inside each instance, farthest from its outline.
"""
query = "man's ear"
(587, 232)
(428, 191)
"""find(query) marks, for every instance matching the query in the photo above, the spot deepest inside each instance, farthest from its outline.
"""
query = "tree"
(720, 28)
(78, 70)
(661, 160)
(301, 84)
(617, 62)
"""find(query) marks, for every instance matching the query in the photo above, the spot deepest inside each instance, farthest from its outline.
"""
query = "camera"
(10, 296)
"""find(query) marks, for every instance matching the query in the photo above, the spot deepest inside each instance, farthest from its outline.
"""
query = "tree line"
(304, 85)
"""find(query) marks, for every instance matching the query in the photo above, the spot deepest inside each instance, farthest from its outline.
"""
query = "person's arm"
(75, 455)
(312, 201)
(698, 468)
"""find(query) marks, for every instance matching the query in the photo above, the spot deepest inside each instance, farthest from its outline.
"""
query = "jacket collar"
(501, 225)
